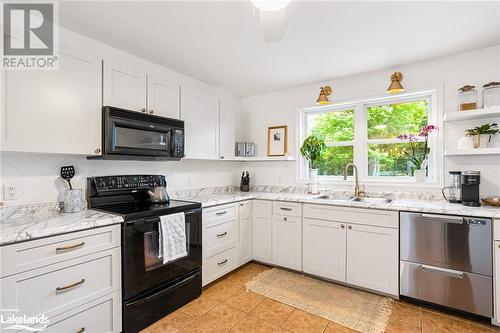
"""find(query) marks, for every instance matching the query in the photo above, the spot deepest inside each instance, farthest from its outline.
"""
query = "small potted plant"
(311, 149)
(482, 134)
(417, 154)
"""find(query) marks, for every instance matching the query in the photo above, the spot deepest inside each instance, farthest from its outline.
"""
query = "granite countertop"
(425, 206)
(21, 223)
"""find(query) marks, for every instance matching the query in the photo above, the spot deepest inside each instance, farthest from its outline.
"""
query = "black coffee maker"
(470, 188)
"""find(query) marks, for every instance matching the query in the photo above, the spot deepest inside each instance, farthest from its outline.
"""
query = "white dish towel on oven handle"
(172, 237)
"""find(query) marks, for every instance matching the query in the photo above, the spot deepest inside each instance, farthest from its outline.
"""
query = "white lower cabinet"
(245, 225)
(262, 231)
(372, 258)
(324, 249)
(287, 242)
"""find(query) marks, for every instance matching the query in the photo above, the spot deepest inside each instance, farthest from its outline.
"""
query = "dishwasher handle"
(444, 218)
(445, 271)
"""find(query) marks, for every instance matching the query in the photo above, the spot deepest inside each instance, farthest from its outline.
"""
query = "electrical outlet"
(9, 192)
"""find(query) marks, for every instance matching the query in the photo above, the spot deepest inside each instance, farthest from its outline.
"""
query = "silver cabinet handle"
(151, 112)
(69, 247)
(241, 205)
(285, 219)
(97, 150)
(449, 218)
(224, 234)
(70, 286)
(143, 110)
(349, 227)
(221, 213)
(445, 271)
(286, 208)
(342, 226)
(223, 262)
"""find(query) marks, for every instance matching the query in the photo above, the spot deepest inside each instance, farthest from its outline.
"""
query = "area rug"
(356, 309)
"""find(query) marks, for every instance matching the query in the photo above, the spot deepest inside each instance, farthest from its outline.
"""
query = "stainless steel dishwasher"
(447, 260)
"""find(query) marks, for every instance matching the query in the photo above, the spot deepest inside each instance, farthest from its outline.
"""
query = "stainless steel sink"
(372, 200)
(334, 197)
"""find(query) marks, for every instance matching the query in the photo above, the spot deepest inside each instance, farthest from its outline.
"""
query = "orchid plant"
(416, 154)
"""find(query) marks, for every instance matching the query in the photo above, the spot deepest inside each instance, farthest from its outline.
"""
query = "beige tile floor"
(226, 306)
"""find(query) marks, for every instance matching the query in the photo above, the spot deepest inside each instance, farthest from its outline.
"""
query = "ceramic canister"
(73, 201)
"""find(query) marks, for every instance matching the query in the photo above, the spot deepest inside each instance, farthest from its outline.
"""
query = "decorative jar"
(467, 98)
(491, 94)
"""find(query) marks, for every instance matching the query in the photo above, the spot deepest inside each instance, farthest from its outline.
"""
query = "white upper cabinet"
(163, 97)
(200, 112)
(227, 131)
(54, 111)
(124, 87)
(372, 258)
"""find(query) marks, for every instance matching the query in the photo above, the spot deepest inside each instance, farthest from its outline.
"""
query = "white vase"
(465, 142)
(420, 175)
(482, 140)
(313, 185)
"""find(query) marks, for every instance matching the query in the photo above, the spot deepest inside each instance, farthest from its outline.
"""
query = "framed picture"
(277, 140)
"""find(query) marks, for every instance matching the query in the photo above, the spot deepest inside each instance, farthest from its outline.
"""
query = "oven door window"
(124, 137)
(152, 258)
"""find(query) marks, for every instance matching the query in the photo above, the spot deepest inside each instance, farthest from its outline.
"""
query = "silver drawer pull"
(224, 234)
(223, 262)
(285, 219)
(70, 247)
(221, 213)
(445, 271)
(81, 330)
(70, 286)
(286, 208)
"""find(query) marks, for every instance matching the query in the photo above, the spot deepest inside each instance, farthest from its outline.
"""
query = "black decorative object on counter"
(245, 182)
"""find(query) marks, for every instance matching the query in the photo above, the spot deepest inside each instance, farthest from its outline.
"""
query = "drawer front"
(287, 208)
(262, 209)
(220, 264)
(218, 237)
(464, 291)
(102, 315)
(219, 214)
(373, 217)
(496, 230)
(53, 289)
(21, 257)
(245, 209)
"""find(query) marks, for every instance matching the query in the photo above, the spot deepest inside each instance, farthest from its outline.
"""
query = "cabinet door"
(262, 231)
(372, 258)
(163, 97)
(287, 242)
(54, 111)
(200, 113)
(227, 131)
(324, 252)
(245, 240)
(124, 87)
(496, 274)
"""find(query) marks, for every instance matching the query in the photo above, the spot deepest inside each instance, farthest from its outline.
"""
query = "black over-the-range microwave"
(133, 135)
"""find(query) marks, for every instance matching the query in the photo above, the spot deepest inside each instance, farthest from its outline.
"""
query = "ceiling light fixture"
(396, 87)
(270, 6)
(324, 92)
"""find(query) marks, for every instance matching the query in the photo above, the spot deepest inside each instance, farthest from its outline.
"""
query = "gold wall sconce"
(396, 87)
(324, 92)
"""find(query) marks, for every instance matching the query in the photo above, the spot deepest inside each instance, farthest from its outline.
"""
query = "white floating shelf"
(468, 152)
(261, 159)
(472, 114)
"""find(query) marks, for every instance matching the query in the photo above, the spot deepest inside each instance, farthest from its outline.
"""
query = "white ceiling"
(221, 44)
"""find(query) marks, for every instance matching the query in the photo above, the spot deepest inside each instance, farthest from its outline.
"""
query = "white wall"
(449, 73)
(36, 176)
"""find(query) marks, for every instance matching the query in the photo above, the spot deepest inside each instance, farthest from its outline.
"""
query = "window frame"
(361, 141)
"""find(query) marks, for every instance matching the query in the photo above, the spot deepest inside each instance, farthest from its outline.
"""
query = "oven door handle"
(161, 292)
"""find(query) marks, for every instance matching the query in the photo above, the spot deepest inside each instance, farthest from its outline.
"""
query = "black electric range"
(150, 288)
